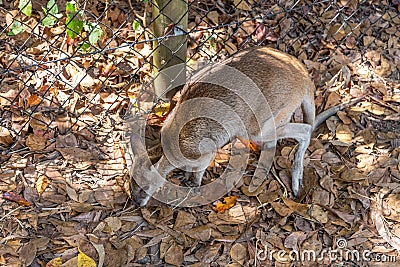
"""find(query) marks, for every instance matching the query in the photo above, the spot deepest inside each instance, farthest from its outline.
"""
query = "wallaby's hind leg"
(301, 133)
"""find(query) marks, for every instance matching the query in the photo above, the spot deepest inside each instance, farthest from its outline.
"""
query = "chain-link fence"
(71, 72)
(76, 67)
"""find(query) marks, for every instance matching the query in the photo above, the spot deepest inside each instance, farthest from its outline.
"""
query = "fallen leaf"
(202, 233)
(331, 158)
(184, 220)
(5, 136)
(34, 100)
(42, 183)
(319, 214)
(84, 260)
(241, 4)
(213, 16)
(299, 208)
(333, 100)
(39, 122)
(226, 204)
(16, 198)
(56, 262)
(27, 253)
(162, 109)
(238, 253)
(343, 133)
(174, 255)
(281, 209)
(114, 223)
(36, 142)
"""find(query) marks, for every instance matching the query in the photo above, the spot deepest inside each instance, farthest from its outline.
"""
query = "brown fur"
(284, 83)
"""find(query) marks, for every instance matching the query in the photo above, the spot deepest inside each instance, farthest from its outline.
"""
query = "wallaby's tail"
(323, 116)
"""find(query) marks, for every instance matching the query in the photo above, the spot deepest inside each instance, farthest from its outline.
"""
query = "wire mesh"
(78, 67)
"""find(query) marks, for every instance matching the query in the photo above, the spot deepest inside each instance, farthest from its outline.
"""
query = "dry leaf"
(227, 203)
(343, 133)
(84, 260)
(114, 223)
(331, 158)
(34, 100)
(5, 136)
(42, 183)
(71, 193)
(184, 220)
(238, 253)
(174, 255)
(202, 233)
(39, 122)
(334, 99)
(376, 109)
(319, 214)
(281, 209)
(16, 198)
(162, 109)
(343, 117)
(28, 253)
(36, 142)
(213, 16)
(56, 262)
(242, 4)
(299, 208)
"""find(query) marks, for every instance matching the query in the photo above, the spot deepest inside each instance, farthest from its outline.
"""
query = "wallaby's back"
(282, 79)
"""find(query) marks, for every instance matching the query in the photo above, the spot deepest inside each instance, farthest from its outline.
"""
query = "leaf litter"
(66, 202)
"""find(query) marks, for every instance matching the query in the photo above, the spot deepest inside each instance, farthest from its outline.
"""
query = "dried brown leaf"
(343, 133)
(174, 255)
(36, 142)
(238, 253)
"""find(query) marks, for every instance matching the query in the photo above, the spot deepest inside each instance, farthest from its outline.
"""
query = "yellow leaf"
(161, 109)
(56, 262)
(84, 260)
(42, 183)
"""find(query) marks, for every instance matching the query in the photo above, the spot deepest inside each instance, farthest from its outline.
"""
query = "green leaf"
(136, 26)
(95, 32)
(73, 22)
(16, 28)
(52, 7)
(70, 7)
(74, 27)
(25, 6)
(84, 46)
(51, 14)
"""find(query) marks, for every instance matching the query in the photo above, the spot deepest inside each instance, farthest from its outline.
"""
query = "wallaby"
(207, 115)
